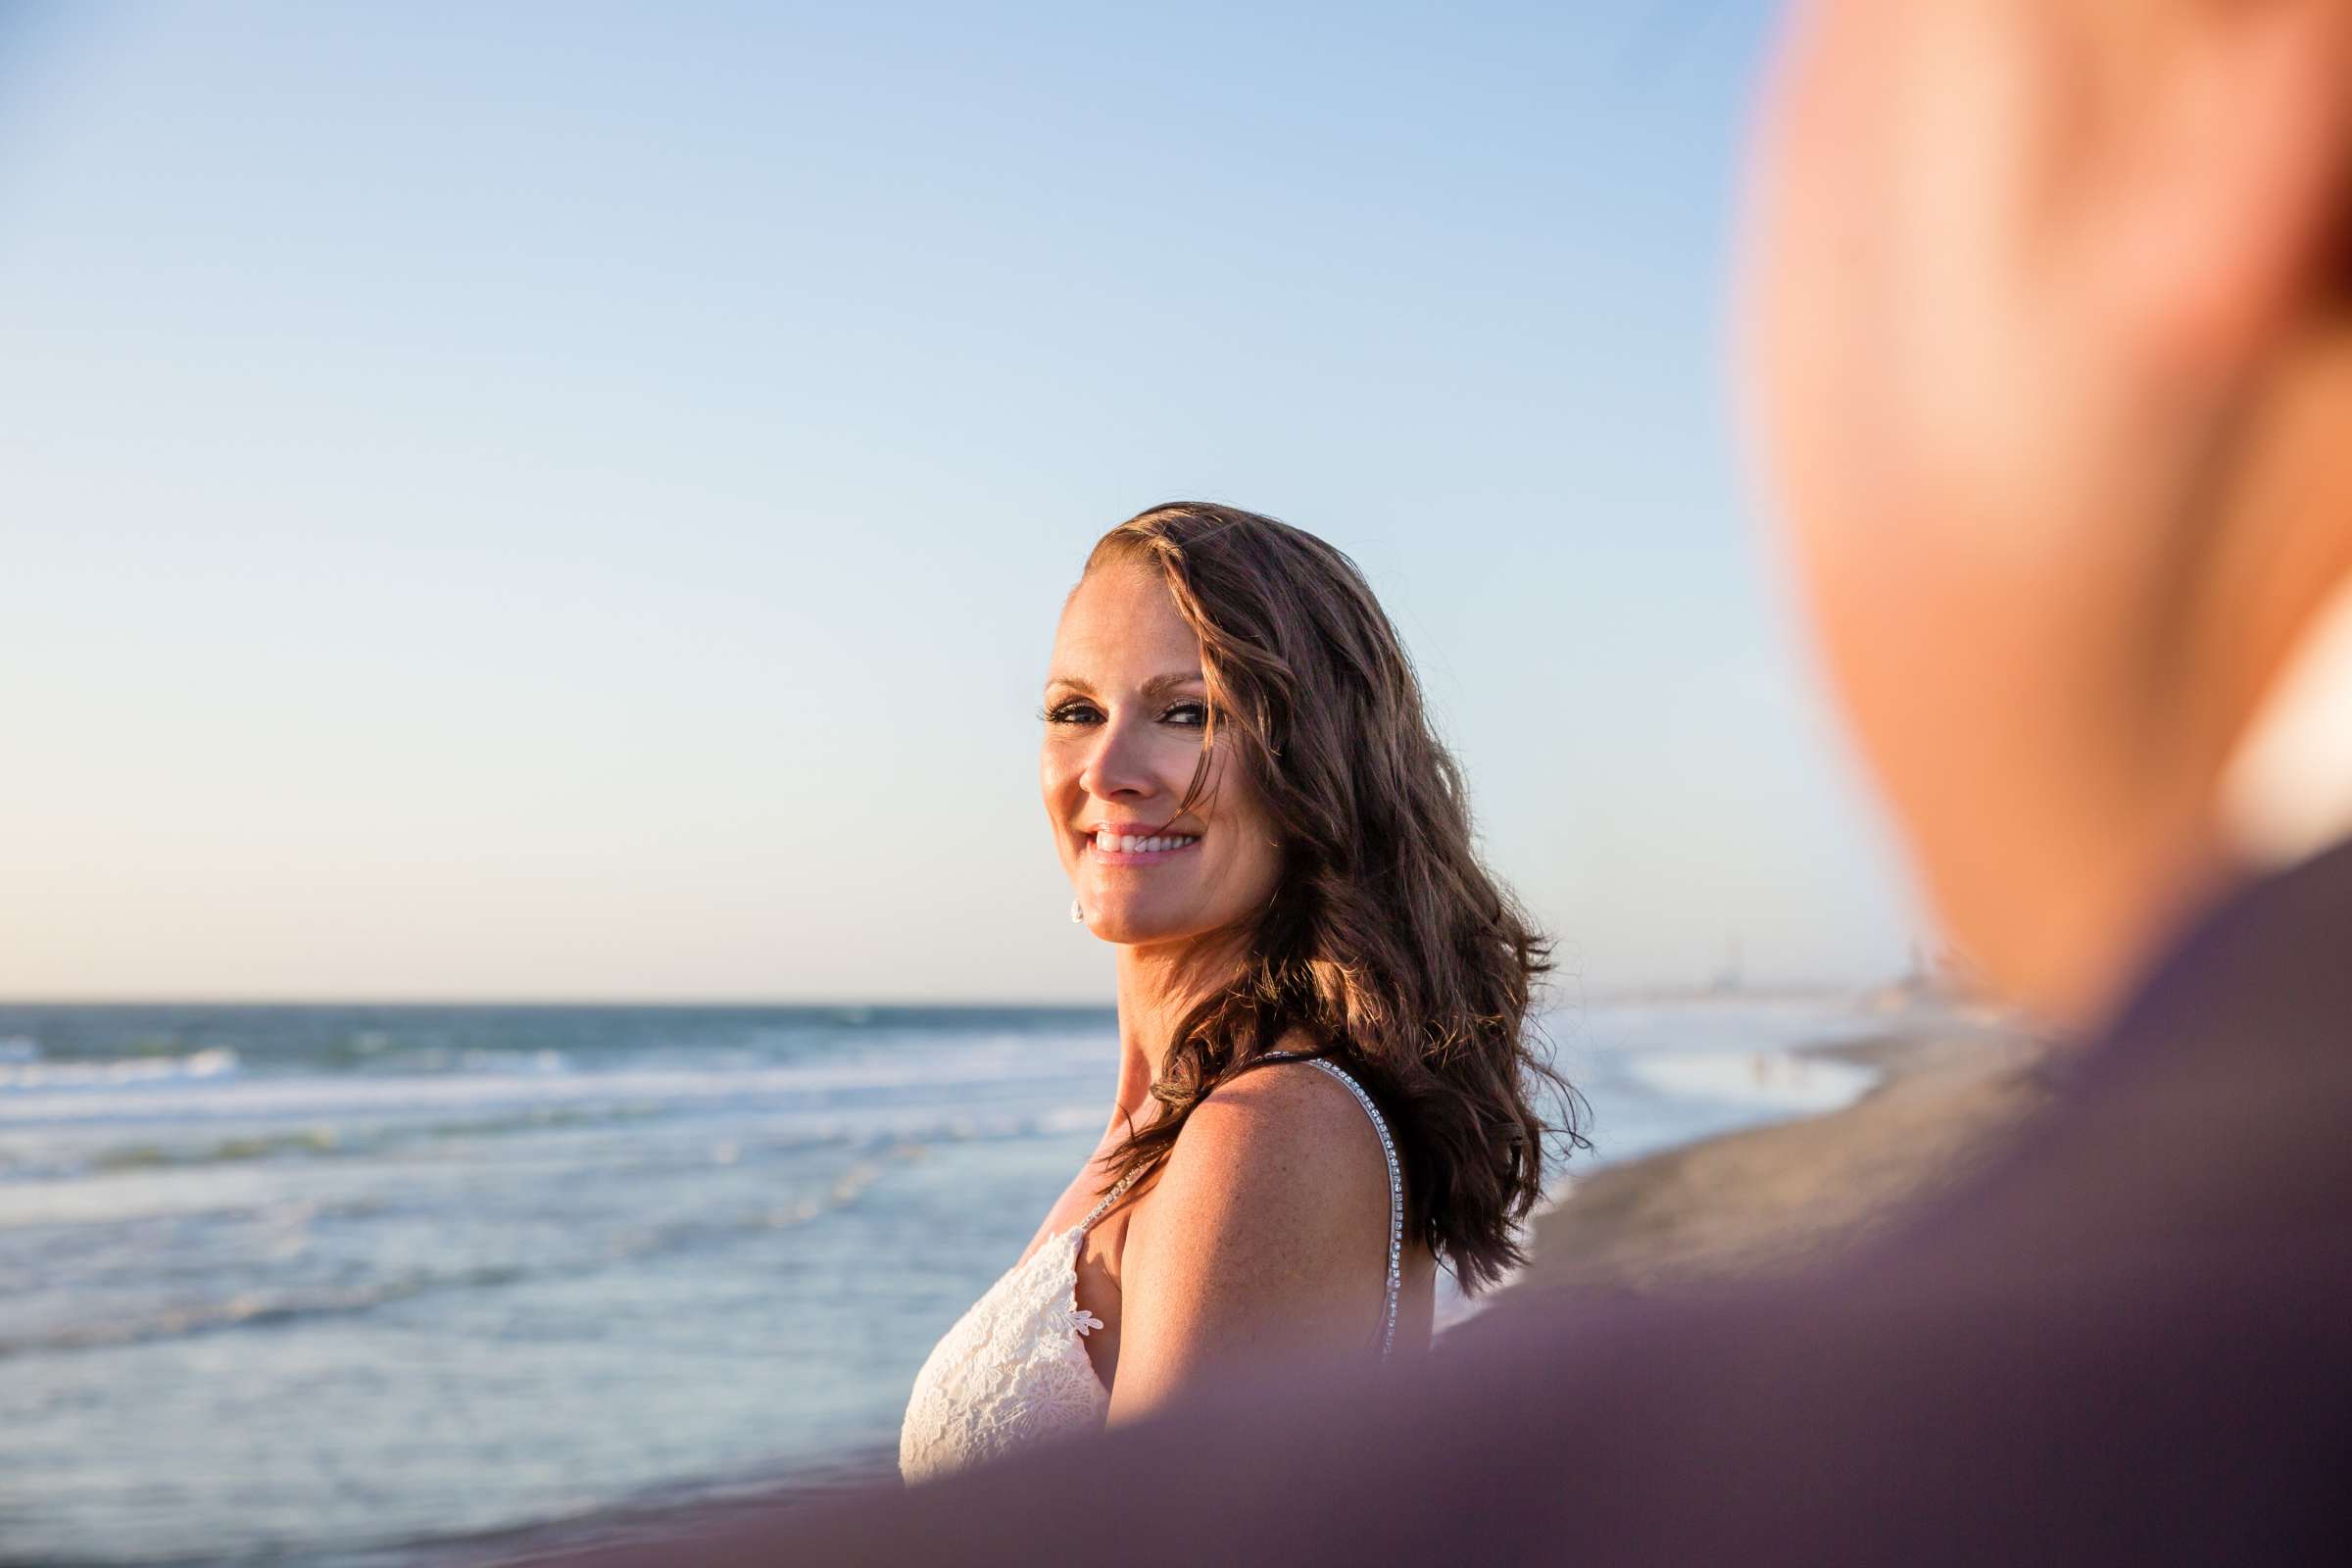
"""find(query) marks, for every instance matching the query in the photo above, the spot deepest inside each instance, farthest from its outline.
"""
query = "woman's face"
(1126, 706)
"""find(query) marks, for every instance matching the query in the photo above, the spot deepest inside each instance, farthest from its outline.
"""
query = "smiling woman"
(1250, 807)
(1135, 794)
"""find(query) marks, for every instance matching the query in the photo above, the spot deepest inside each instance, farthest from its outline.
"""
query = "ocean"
(331, 1283)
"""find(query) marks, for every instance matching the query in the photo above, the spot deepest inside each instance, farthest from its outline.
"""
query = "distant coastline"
(1953, 1089)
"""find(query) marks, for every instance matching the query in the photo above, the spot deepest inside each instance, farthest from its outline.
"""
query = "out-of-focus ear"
(2287, 551)
(2216, 265)
(2228, 219)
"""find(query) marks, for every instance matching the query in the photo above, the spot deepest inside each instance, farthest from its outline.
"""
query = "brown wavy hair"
(1385, 943)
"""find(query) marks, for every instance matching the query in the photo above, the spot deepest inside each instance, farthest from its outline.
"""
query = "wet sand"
(1773, 1199)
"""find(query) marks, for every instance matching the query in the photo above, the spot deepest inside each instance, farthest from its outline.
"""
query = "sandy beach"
(1776, 1197)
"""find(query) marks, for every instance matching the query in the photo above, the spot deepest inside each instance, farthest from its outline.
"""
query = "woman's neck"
(1158, 984)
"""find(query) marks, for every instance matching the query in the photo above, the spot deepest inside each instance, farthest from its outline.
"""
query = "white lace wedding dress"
(1013, 1371)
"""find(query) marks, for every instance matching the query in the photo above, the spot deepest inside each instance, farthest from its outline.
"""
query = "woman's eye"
(1190, 714)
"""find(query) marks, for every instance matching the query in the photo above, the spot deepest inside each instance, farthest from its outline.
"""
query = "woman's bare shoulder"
(1280, 1156)
(1261, 1239)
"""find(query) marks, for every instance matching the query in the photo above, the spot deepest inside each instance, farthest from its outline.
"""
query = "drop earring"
(1077, 913)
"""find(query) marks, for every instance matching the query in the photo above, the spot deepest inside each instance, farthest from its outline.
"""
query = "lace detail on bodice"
(1013, 1371)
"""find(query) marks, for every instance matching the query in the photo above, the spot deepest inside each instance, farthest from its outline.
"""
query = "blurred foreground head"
(2046, 335)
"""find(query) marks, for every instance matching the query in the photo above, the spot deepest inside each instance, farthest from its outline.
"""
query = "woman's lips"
(1138, 849)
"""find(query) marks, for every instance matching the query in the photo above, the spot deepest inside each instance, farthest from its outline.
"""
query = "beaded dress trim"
(1388, 1152)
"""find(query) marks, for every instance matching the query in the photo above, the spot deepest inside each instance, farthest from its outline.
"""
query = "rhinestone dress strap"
(1117, 1188)
(1388, 1152)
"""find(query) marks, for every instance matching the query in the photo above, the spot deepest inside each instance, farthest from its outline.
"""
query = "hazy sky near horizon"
(571, 502)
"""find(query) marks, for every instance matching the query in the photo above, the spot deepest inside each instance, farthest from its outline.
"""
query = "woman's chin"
(1111, 926)
(1129, 927)
(1141, 928)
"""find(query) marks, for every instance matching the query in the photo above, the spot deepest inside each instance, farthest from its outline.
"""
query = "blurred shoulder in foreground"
(2127, 1344)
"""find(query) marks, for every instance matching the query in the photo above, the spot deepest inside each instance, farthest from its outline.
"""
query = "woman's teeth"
(1110, 843)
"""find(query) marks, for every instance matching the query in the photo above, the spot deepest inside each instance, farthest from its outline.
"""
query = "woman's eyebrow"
(1156, 686)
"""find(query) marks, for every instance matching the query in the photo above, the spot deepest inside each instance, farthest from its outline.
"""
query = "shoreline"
(671, 1517)
(1776, 1197)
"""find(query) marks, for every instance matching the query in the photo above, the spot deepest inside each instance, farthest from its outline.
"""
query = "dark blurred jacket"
(2131, 1341)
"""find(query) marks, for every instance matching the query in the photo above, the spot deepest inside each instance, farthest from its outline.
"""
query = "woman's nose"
(1118, 766)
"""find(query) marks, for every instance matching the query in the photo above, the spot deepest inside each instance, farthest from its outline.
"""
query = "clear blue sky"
(564, 501)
